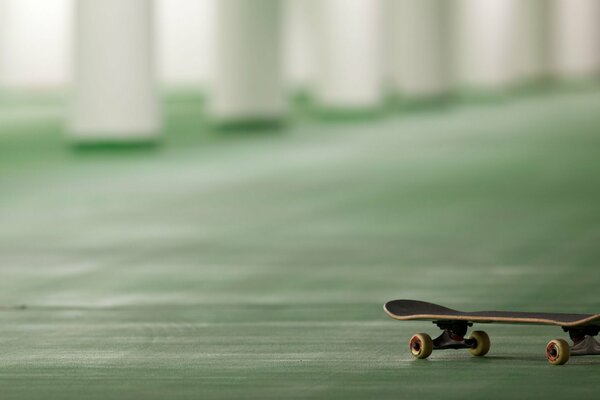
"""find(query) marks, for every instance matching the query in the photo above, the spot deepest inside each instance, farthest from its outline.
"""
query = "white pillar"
(299, 48)
(349, 71)
(533, 40)
(485, 44)
(576, 50)
(248, 83)
(419, 44)
(115, 96)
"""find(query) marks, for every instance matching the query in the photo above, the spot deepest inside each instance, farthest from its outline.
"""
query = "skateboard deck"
(582, 329)
(419, 310)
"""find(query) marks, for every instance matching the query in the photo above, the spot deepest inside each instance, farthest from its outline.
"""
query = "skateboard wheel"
(482, 343)
(558, 351)
(421, 345)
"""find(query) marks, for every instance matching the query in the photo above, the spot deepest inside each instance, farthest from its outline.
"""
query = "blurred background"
(249, 60)
(231, 189)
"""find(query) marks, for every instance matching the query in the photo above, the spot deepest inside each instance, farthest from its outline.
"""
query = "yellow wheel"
(421, 345)
(482, 343)
(558, 351)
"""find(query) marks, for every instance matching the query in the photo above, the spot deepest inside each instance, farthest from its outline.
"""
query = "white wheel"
(482, 343)
(421, 345)
(558, 351)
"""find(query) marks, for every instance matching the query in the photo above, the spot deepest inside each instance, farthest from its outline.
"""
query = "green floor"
(228, 264)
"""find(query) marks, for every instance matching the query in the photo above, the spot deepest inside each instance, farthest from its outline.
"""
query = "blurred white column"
(533, 40)
(486, 51)
(115, 96)
(419, 44)
(576, 51)
(349, 58)
(299, 49)
(248, 82)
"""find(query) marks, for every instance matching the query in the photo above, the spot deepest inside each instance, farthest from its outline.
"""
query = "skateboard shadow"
(490, 359)
(573, 362)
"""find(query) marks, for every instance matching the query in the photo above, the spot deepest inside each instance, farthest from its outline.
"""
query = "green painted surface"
(255, 264)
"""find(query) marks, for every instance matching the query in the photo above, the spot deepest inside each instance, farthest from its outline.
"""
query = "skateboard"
(582, 328)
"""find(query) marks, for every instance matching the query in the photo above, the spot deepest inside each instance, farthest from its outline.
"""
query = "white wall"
(186, 31)
(35, 49)
(299, 44)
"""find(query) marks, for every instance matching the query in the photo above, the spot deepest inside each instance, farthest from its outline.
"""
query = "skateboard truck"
(453, 336)
(584, 343)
